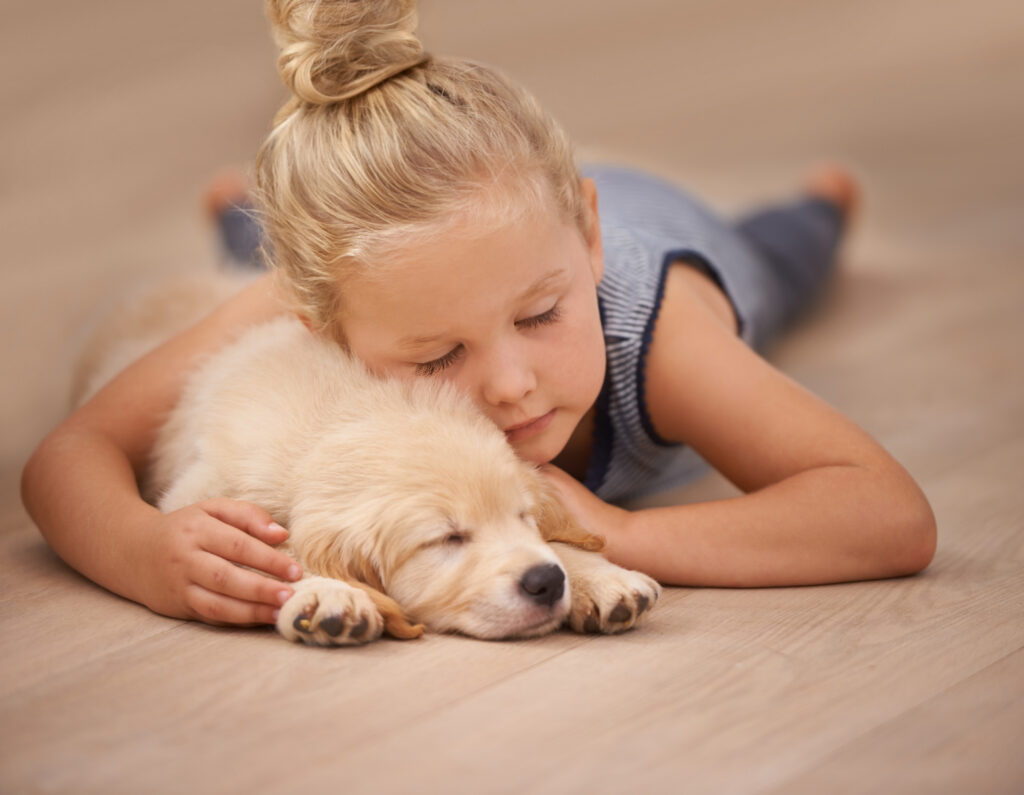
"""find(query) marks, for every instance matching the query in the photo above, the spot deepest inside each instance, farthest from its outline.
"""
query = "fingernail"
(283, 596)
(276, 526)
(294, 572)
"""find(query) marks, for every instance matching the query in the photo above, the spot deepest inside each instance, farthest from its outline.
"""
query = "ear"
(320, 552)
(557, 524)
(592, 232)
(395, 622)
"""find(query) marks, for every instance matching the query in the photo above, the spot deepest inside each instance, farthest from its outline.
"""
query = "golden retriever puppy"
(407, 508)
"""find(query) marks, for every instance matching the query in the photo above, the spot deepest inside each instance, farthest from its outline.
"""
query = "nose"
(543, 584)
(509, 377)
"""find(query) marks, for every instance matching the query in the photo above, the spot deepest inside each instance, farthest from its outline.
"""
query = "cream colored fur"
(406, 507)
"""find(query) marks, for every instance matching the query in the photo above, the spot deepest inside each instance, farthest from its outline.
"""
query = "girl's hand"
(195, 564)
(593, 513)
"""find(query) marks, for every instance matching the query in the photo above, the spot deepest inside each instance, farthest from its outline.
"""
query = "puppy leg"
(605, 598)
(196, 483)
(326, 612)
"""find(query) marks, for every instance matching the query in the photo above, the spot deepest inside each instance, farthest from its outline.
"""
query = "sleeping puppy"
(407, 508)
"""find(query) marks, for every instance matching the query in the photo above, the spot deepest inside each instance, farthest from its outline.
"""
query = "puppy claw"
(592, 624)
(303, 621)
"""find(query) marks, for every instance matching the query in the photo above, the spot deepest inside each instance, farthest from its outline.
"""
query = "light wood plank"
(119, 112)
(965, 740)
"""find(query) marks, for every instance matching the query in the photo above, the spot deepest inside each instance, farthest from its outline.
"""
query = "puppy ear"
(322, 553)
(395, 622)
(364, 575)
(557, 524)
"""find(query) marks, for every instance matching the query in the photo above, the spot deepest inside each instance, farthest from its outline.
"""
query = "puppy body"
(403, 502)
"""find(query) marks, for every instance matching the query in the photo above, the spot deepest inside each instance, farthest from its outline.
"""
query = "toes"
(331, 616)
(304, 620)
(333, 625)
(590, 618)
(835, 184)
(359, 630)
(619, 619)
(621, 613)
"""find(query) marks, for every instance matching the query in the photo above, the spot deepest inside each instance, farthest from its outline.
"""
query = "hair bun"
(332, 50)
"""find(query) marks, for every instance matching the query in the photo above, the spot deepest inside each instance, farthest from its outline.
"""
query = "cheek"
(581, 361)
(431, 580)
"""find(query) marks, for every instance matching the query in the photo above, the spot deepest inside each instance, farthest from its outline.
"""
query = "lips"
(524, 430)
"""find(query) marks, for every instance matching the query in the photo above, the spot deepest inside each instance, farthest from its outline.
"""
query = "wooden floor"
(116, 113)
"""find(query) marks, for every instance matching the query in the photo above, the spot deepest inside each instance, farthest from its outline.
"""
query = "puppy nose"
(544, 584)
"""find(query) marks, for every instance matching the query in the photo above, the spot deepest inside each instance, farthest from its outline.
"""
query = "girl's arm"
(80, 487)
(824, 502)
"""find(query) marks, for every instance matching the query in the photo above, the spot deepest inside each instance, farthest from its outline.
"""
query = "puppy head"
(430, 505)
(453, 528)
(466, 554)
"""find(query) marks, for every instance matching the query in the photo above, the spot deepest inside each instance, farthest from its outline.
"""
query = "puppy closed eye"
(452, 539)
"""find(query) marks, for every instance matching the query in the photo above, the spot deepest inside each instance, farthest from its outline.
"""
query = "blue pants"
(797, 242)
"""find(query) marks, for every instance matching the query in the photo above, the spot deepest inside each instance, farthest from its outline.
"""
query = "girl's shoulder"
(694, 348)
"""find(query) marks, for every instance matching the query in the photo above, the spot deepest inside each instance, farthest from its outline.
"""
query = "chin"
(538, 451)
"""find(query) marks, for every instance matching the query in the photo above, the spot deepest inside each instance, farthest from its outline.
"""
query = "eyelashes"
(543, 319)
(435, 366)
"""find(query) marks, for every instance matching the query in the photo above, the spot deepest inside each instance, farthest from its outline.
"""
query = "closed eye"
(543, 319)
(435, 366)
(453, 539)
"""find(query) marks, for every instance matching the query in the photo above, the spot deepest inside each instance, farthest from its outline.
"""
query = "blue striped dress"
(769, 265)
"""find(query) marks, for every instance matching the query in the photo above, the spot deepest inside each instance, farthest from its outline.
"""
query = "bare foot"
(226, 190)
(228, 204)
(835, 184)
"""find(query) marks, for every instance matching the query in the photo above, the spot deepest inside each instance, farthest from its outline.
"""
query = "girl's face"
(508, 315)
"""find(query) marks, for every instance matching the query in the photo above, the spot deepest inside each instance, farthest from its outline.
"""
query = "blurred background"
(117, 114)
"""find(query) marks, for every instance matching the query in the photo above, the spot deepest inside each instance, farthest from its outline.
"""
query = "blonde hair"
(382, 143)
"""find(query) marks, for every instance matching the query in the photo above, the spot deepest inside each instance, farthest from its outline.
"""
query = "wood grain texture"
(117, 114)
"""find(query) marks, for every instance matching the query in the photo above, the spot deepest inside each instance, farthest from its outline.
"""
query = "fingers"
(248, 517)
(216, 608)
(206, 547)
(217, 575)
(247, 532)
(220, 592)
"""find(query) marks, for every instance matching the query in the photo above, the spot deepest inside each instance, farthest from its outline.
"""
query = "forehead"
(469, 266)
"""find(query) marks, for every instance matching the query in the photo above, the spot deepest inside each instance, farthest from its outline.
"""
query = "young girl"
(427, 215)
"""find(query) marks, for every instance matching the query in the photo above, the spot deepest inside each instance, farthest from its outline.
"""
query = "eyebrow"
(535, 289)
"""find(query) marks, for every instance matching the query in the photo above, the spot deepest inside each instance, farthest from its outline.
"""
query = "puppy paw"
(610, 599)
(326, 612)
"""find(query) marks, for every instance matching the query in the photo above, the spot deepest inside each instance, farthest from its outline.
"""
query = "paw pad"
(621, 613)
(333, 625)
(329, 613)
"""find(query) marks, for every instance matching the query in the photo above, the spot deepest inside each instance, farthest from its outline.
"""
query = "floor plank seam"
(434, 712)
(852, 740)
